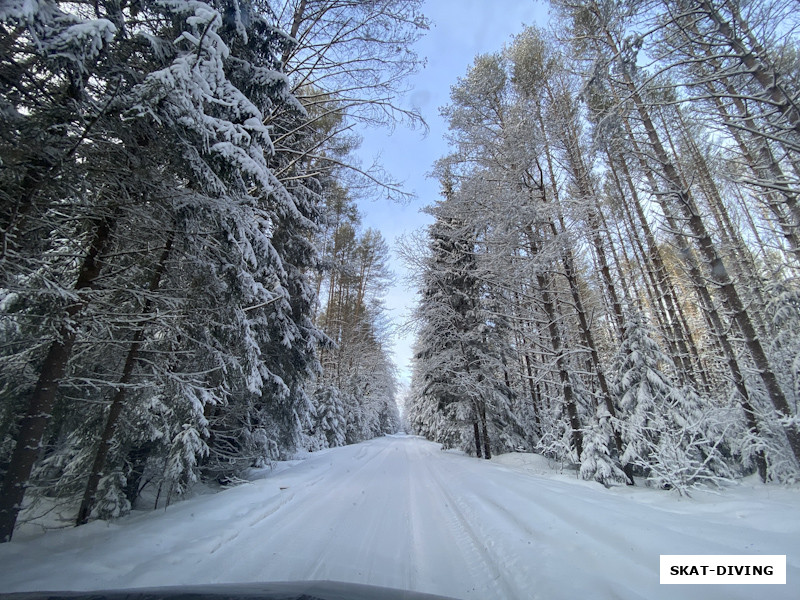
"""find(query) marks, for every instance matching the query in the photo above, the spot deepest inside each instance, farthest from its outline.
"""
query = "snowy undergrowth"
(48, 514)
(536, 464)
(541, 466)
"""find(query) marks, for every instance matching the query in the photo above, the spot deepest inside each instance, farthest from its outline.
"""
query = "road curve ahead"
(398, 512)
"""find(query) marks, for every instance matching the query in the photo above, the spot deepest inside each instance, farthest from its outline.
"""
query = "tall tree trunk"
(716, 265)
(558, 350)
(570, 272)
(588, 340)
(752, 58)
(526, 368)
(297, 20)
(581, 176)
(709, 307)
(40, 404)
(118, 403)
(744, 264)
(720, 274)
(768, 173)
(533, 393)
(667, 304)
(137, 458)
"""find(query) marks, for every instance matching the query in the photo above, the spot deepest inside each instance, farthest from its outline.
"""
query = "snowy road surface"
(398, 512)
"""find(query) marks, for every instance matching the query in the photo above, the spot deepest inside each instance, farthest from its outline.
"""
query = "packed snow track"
(400, 513)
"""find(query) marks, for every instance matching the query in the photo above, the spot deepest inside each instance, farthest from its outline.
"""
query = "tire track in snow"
(542, 548)
(411, 516)
(349, 519)
(609, 535)
(266, 528)
(288, 556)
(479, 555)
(283, 500)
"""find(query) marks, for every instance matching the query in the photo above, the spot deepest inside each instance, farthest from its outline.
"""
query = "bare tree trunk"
(487, 452)
(477, 434)
(580, 173)
(766, 168)
(743, 262)
(588, 339)
(297, 19)
(526, 369)
(720, 274)
(568, 261)
(534, 394)
(768, 173)
(716, 265)
(683, 334)
(752, 58)
(660, 289)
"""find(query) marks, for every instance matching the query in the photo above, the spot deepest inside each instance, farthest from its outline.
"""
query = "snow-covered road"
(398, 512)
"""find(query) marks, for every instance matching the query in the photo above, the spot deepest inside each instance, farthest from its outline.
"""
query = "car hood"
(283, 590)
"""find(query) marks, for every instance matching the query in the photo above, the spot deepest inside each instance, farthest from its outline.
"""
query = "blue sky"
(460, 29)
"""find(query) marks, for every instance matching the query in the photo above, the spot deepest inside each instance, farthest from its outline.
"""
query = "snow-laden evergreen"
(596, 461)
(355, 394)
(460, 350)
(666, 429)
(160, 218)
(600, 172)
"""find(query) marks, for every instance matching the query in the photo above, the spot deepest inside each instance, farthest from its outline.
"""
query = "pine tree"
(240, 308)
(596, 461)
(459, 356)
(667, 431)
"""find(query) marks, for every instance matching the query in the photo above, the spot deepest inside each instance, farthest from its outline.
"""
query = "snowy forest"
(185, 287)
(611, 279)
(187, 291)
